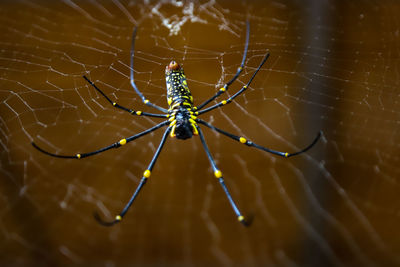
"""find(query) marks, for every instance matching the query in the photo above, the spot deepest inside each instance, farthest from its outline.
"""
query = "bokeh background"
(334, 66)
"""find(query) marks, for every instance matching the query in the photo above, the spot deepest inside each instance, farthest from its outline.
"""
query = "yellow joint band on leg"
(114, 104)
(122, 142)
(175, 105)
(218, 174)
(147, 173)
(138, 113)
(78, 156)
(172, 134)
(118, 218)
(173, 122)
(286, 154)
(240, 218)
(242, 140)
(222, 89)
(195, 132)
(146, 101)
(223, 102)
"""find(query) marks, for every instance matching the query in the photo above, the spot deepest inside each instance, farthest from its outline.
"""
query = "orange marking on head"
(173, 65)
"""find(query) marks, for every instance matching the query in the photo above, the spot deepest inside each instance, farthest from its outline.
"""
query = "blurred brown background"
(333, 67)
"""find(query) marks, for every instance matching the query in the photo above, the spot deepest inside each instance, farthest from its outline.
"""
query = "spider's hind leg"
(218, 175)
(146, 175)
(249, 143)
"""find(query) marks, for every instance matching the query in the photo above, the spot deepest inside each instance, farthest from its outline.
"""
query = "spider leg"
(229, 100)
(218, 175)
(114, 145)
(239, 70)
(146, 175)
(133, 112)
(146, 101)
(250, 143)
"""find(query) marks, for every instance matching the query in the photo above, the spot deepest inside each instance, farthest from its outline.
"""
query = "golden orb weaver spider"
(182, 122)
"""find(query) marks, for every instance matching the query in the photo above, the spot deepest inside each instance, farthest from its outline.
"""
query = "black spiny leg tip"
(97, 217)
(246, 221)
(38, 148)
(317, 137)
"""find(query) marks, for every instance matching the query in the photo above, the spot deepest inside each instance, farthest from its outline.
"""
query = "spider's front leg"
(116, 105)
(244, 88)
(239, 70)
(146, 101)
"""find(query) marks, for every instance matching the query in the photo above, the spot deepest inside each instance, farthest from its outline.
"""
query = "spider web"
(333, 67)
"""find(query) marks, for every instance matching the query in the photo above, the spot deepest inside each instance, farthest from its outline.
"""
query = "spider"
(181, 122)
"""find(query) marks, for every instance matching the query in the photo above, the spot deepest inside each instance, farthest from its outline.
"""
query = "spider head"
(172, 66)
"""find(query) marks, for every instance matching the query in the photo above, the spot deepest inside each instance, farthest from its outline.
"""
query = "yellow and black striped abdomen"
(178, 92)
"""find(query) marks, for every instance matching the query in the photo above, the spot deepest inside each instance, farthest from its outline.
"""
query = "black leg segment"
(250, 143)
(218, 175)
(239, 70)
(146, 101)
(114, 145)
(146, 175)
(116, 105)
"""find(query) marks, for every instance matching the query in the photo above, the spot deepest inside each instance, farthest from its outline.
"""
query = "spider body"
(180, 102)
(177, 88)
(182, 122)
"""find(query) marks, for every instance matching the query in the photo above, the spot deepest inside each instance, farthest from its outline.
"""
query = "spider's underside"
(182, 122)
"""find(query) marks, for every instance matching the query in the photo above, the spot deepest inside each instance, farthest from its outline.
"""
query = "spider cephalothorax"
(181, 121)
(184, 124)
